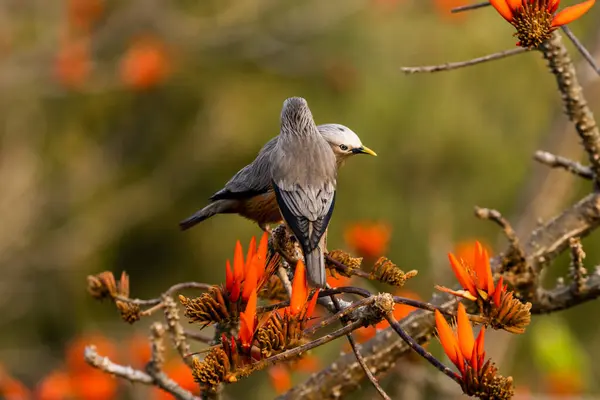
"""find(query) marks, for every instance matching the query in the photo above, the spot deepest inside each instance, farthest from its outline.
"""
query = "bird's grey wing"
(252, 180)
(307, 210)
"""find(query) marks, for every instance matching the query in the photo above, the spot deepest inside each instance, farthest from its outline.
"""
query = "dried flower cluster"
(104, 286)
(388, 272)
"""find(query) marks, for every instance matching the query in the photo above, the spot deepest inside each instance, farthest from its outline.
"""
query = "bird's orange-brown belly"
(262, 208)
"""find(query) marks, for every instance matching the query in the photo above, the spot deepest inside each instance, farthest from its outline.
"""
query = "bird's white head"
(343, 141)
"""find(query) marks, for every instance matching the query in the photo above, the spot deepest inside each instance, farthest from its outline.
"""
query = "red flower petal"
(251, 280)
(483, 269)
(238, 262)
(503, 9)
(572, 13)
(446, 337)
(466, 340)
(498, 292)
(462, 275)
(299, 289)
(250, 253)
(228, 277)
(311, 305)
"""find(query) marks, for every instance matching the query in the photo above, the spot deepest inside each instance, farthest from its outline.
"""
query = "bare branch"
(574, 102)
(462, 64)
(571, 166)
(563, 296)
(126, 372)
(157, 377)
(175, 329)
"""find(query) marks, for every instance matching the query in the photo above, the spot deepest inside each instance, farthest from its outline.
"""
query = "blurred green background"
(120, 118)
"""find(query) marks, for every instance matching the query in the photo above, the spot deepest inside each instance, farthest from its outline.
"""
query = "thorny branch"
(575, 105)
(540, 249)
(381, 353)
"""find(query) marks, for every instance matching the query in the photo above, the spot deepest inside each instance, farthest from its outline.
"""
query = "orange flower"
(138, 350)
(280, 378)
(94, 385)
(308, 363)
(11, 388)
(299, 304)
(249, 272)
(476, 278)
(83, 13)
(338, 280)
(56, 386)
(478, 377)
(181, 374)
(248, 323)
(74, 353)
(460, 346)
(145, 64)
(535, 20)
(444, 7)
(72, 65)
(369, 240)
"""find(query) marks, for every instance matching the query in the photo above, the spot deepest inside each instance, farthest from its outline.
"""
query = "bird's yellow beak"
(364, 150)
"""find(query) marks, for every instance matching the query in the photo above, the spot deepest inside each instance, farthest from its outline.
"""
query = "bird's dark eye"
(343, 147)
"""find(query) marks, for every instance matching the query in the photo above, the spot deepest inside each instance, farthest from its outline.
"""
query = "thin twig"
(420, 350)
(286, 355)
(359, 357)
(197, 336)
(470, 7)
(170, 291)
(577, 271)
(157, 345)
(346, 270)
(339, 315)
(187, 285)
(462, 64)
(432, 307)
(515, 257)
(134, 375)
(152, 310)
(581, 48)
(571, 166)
(175, 329)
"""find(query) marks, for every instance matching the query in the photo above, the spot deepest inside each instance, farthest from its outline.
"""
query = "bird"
(304, 178)
(249, 192)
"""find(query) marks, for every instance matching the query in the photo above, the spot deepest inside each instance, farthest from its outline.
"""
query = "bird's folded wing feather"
(252, 180)
(307, 210)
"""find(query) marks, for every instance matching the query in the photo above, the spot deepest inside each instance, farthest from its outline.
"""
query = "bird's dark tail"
(217, 207)
(315, 267)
